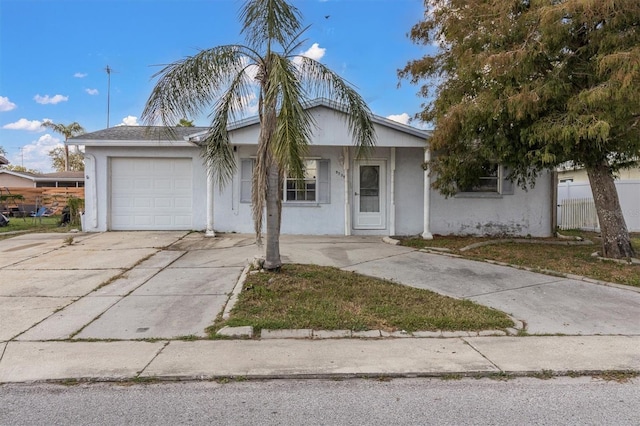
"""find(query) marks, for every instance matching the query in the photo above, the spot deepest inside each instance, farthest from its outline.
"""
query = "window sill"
(491, 195)
(299, 204)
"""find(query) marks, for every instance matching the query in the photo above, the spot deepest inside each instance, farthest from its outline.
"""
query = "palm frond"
(217, 151)
(186, 87)
(321, 81)
(67, 131)
(266, 21)
(294, 127)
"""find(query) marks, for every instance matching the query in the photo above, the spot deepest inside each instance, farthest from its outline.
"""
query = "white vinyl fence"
(576, 209)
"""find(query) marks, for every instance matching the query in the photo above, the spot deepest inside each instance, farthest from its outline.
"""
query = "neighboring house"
(3, 161)
(13, 179)
(142, 178)
(576, 208)
(569, 173)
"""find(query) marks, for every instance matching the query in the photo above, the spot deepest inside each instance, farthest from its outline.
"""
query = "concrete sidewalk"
(262, 359)
(60, 292)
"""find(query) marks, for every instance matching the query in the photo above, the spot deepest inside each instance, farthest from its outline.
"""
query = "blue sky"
(53, 55)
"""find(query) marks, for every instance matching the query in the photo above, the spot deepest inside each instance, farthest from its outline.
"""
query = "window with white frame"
(303, 189)
(312, 188)
(246, 174)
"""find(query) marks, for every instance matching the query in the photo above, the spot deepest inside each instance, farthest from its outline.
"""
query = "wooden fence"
(55, 199)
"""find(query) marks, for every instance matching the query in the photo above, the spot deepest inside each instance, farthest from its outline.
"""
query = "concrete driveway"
(134, 285)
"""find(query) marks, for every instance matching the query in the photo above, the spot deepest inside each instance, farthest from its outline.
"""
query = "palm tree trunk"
(66, 157)
(616, 242)
(274, 215)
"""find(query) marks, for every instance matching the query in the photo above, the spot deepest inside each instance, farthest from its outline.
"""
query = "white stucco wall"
(409, 191)
(231, 215)
(520, 214)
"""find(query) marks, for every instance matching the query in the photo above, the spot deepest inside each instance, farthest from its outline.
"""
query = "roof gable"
(244, 131)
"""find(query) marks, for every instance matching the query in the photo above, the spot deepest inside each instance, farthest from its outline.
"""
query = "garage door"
(151, 194)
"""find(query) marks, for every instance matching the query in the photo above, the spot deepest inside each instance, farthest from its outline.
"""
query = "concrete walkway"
(61, 292)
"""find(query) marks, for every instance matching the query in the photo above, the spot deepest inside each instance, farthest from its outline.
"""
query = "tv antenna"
(108, 70)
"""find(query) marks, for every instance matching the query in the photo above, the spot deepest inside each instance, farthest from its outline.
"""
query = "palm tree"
(184, 123)
(225, 77)
(73, 129)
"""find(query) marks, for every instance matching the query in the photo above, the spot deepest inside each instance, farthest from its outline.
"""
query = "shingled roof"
(140, 133)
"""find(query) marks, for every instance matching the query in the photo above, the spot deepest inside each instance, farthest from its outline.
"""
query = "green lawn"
(30, 224)
(325, 298)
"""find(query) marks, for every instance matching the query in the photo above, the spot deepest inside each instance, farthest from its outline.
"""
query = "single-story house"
(569, 173)
(142, 178)
(14, 179)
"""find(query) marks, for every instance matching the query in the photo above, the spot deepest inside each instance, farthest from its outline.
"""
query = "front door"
(369, 195)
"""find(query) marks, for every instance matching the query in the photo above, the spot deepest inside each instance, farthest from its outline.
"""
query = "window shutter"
(324, 189)
(246, 173)
(507, 185)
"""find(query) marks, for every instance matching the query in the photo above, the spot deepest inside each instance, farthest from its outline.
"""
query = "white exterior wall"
(580, 175)
(231, 215)
(519, 214)
(97, 200)
(523, 213)
(409, 191)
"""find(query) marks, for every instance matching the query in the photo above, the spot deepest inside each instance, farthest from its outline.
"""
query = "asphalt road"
(566, 401)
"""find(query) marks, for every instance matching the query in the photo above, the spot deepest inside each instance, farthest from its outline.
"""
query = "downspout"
(347, 193)
(426, 234)
(210, 184)
(392, 206)
(93, 189)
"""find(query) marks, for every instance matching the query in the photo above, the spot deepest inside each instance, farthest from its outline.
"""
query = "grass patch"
(620, 376)
(565, 259)
(30, 224)
(325, 298)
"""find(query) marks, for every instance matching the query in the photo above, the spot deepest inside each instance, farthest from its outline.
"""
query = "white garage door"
(151, 194)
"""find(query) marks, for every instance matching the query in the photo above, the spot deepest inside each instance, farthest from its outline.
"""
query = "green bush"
(76, 206)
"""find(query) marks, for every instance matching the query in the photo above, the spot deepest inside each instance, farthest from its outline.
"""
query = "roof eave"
(128, 143)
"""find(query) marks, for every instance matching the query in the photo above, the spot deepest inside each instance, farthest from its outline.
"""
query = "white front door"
(369, 195)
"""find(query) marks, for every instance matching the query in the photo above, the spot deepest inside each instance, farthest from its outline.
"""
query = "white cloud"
(400, 118)
(129, 120)
(314, 52)
(24, 124)
(46, 99)
(80, 75)
(6, 104)
(35, 155)
(91, 91)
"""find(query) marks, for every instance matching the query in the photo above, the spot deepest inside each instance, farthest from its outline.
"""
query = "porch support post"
(392, 204)
(209, 232)
(426, 234)
(347, 193)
